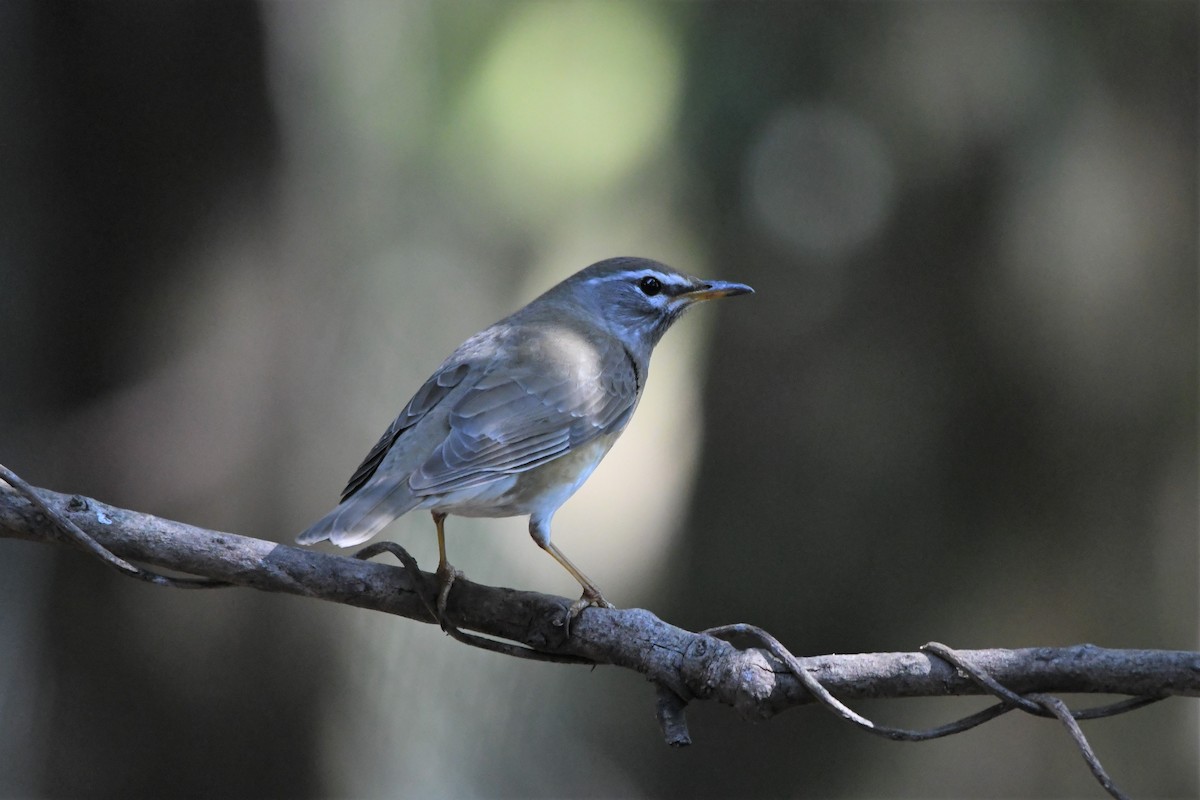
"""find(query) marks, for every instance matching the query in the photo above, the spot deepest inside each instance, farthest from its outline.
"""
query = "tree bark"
(690, 665)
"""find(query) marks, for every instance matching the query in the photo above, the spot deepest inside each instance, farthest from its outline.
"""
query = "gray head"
(636, 299)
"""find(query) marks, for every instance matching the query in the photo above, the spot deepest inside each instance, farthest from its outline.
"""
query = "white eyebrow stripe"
(664, 278)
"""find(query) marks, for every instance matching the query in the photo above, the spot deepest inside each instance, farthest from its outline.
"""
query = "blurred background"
(234, 239)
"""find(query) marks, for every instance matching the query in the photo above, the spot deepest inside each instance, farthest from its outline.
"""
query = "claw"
(591, 598)
(446, 576)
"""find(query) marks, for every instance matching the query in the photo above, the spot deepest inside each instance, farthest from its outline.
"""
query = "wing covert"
(532, 412)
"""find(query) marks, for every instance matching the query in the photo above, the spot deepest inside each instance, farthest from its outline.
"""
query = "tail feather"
(361, 516)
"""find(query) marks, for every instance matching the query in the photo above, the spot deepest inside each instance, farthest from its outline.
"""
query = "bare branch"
(692, 665)
(758, 682)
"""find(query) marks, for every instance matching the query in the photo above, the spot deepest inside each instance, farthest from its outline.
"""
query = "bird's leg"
(446, 574)
(591, 594)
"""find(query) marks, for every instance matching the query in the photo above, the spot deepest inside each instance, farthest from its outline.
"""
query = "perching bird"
(516, 419)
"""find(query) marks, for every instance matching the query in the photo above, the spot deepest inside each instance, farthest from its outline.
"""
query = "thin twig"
(1038, 704)
(848, 714)
(668, 710)
(1028, 704)
(76, 535)
(1059, 709)
(1113, 709)
(428, 595)
(981, 678)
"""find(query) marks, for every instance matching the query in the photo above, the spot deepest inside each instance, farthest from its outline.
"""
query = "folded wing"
(530, 413)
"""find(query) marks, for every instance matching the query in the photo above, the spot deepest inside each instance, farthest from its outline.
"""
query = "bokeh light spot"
(819, 180)
(570, 97)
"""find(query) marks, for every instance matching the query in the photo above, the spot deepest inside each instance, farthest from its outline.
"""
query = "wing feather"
(429, 395)
(531, 412)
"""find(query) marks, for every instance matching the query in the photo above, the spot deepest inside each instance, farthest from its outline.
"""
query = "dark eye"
(650, 286)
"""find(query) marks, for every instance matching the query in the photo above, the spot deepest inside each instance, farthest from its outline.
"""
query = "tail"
(362, 515)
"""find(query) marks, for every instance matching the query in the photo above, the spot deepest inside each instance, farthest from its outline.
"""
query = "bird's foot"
(446, 575)
(591, 598)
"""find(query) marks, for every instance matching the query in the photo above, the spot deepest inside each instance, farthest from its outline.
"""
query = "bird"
(518, 417)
